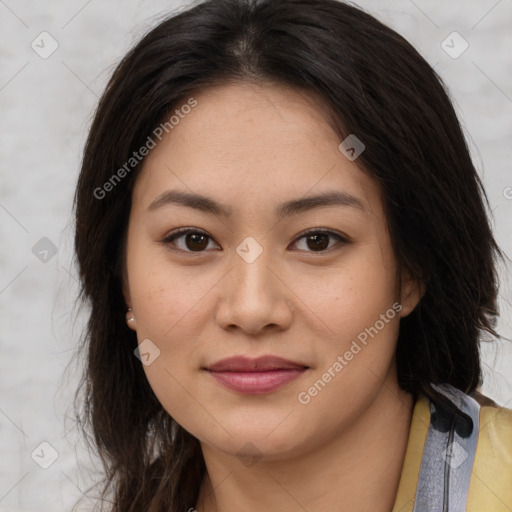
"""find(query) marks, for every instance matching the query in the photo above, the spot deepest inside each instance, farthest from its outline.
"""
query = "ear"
(411, 292)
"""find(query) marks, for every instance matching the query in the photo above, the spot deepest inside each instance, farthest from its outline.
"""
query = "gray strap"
(447, 460)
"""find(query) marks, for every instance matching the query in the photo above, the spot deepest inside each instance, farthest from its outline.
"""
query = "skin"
(253, 147)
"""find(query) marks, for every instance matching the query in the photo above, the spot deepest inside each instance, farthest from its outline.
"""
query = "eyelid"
(167, 240)
(342, 238)
(328, 231)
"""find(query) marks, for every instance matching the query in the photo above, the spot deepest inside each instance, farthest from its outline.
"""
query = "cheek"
(357, 355)
(351, 296)
(166, 297)
(179, 392)
(170, 315)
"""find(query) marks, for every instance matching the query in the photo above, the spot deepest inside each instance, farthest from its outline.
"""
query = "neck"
(357, 470)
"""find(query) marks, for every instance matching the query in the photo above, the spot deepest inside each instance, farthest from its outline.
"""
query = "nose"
(255, 296)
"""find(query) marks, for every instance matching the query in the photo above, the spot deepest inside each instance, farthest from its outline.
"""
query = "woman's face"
(249, 282)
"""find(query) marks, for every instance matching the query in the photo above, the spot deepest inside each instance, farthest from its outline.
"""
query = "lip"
(258, 364)
(255, 376)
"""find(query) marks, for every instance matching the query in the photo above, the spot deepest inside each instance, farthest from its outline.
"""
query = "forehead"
(252, 143)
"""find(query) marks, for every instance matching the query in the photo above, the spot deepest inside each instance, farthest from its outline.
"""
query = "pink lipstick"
(255, 376)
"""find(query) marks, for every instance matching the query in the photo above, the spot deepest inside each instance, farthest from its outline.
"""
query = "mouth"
(255, 376)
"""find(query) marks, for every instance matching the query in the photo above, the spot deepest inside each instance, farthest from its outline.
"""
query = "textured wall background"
(46, 105)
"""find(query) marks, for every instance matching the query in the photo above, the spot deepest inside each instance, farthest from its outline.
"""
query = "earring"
(129, 315)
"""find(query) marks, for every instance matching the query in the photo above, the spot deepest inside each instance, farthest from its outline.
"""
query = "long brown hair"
(378, 87)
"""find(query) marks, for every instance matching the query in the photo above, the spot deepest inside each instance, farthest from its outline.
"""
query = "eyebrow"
(288, 208)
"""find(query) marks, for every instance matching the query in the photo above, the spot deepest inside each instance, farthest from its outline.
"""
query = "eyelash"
(169, 239)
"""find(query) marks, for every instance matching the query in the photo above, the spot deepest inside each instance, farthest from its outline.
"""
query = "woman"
(286, 251)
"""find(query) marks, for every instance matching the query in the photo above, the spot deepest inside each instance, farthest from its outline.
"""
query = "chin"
(251, 450)
(270, 439)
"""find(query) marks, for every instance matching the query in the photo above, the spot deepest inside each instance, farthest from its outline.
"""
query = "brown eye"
(193, 240)
(318, 241)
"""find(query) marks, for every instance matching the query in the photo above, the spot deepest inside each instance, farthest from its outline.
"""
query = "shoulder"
(495, 425)
(483, 399)
(447, 467)
(491, 478)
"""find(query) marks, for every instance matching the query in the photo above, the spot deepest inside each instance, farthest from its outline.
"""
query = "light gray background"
(46, 107)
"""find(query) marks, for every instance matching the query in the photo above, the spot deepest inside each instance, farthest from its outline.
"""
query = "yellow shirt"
(490, 484)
